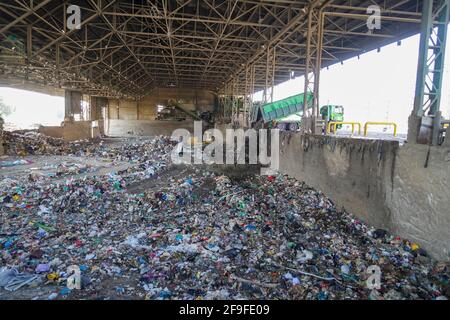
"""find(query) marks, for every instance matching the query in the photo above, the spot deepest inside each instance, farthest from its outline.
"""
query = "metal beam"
(424, 124)
(30, 12)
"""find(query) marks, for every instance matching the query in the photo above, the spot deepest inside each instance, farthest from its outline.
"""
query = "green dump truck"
(333, 113)
(286, 114)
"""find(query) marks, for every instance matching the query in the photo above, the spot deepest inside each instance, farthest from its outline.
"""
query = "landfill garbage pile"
(159, 231)
(34, 143)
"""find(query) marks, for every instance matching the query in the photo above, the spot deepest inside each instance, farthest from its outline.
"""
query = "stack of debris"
(160, 231)
(34, 143)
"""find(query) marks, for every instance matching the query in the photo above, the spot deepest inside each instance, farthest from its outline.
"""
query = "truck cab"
(332, 113)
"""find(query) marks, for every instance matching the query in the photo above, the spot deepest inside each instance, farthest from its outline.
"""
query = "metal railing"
(334, 124)
(366, 126)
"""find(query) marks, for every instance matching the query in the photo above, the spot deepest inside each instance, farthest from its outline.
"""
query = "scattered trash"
(6, 164)
(304, 256)
(41, 268)
(65, 291)
(12, 280)
(53, 296)
(153, 230)
(345, 269)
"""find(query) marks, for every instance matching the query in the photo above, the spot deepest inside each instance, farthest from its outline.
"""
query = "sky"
(380, 86)
(377, 87)
(33, 108)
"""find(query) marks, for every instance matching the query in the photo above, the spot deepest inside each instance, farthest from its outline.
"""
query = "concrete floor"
(51, 165)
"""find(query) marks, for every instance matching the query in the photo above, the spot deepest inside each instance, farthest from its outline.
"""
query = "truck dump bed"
(284, 108)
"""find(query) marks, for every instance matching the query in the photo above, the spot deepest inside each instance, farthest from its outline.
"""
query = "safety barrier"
(366, 126)
(335, 124)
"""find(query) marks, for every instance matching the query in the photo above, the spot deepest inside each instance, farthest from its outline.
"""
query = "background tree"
(5, 110)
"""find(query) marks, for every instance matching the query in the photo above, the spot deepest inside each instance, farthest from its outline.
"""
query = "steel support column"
(235, 105)
(313, 63)
(424, 124)
(248, 100)
(270, 74)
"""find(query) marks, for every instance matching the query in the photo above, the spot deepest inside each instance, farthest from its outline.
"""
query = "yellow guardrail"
(366, 126)
(335, 124)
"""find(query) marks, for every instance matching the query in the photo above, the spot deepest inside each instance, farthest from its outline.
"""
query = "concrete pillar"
(2, 151)
(414, 124)
(312, 125)
(95, 108)
(72, 103)
(67, 104)
(447, 138)
(425, 129)
(97, 105)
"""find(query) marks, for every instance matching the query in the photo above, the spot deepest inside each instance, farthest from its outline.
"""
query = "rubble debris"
(189, 233)
(34, 143)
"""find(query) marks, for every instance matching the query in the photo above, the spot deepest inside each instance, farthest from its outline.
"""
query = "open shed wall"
(146, 108)
(138, 117)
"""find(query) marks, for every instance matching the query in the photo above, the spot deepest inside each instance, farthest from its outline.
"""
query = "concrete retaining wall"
(419, 197)
(120, 128)
(79, 130)
(384, 185)
(55, 132)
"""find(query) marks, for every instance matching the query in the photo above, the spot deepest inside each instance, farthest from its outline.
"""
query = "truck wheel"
(282, 126)
(293, 127)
